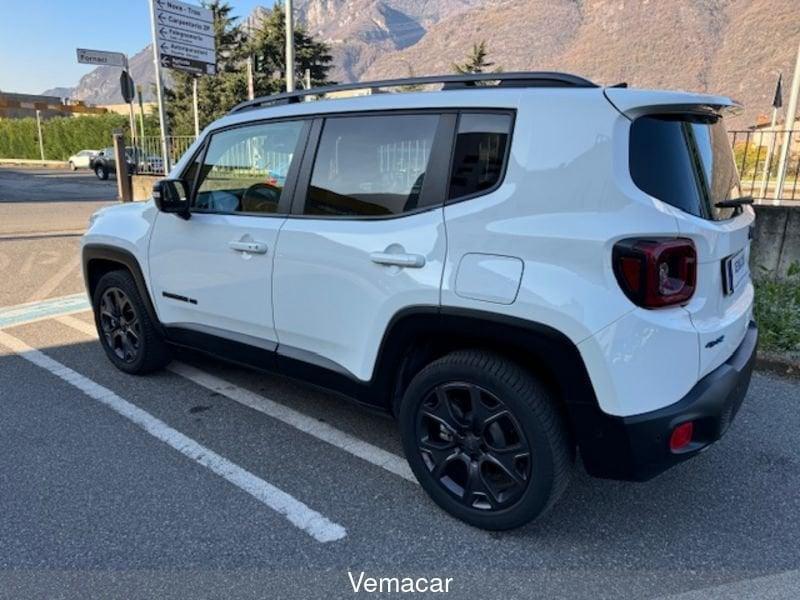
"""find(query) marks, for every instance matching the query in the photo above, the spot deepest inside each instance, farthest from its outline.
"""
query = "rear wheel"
(484, 439)
(101, 172)
(128, 335)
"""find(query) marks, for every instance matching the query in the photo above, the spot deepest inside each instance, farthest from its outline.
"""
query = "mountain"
(59, 92)
(731, 47)
(101, 85)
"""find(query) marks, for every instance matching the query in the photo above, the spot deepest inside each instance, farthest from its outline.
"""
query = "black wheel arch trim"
(126, 259)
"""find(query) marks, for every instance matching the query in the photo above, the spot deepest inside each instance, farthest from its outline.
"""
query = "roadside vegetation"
(777, 310)
(62, 136)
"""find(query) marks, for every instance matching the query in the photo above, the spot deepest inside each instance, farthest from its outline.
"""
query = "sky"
(38, 38)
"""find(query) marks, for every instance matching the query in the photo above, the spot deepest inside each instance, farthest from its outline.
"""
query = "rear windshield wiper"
(735, 202)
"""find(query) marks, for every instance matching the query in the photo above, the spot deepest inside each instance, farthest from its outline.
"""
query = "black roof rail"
(449, 82)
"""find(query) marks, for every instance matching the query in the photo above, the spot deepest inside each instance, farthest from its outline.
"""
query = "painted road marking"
(370, 453)
(31, 312)
(297, 513)
(53, 282)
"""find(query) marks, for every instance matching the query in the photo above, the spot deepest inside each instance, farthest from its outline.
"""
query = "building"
(19, 106)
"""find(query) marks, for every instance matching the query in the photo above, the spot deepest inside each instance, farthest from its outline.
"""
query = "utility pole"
(791, 114)
(289, 47)
(39, 129)
(162, 113)
(194, 105)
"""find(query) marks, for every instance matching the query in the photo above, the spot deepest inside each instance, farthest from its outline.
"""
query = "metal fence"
(757, 155)
(148, 154)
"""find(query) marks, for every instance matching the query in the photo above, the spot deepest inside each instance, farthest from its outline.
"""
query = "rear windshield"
(685, 161)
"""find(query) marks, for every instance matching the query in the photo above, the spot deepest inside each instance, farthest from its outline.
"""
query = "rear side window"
(480, 151)
(370, 166)
(686, 162)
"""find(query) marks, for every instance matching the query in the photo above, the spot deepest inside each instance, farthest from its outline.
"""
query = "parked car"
(82, 159)
(136, 159)
(518, 273)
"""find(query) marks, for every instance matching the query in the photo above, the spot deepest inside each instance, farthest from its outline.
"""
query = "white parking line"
(297, 513)
(30, 312)
(344, 441)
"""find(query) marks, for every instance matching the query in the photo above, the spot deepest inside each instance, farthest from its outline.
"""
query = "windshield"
(685, 161)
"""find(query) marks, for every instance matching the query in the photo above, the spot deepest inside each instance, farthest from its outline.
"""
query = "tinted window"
(245, 168)
(371, 166)
(480, 151)
(685, 163)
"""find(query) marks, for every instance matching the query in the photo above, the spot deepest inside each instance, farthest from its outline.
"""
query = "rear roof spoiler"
(634, 103)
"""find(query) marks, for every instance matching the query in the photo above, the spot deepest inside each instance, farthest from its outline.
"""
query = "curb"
(24, 162)
(776, 363)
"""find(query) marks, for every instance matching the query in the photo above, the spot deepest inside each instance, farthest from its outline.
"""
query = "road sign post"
(183, 39)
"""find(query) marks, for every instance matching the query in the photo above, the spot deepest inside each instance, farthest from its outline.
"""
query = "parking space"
(209, 481)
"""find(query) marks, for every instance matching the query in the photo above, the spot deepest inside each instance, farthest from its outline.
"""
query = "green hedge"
(63, 136)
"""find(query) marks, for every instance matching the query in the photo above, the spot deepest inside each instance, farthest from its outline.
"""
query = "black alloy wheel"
(484, 438)
(473, 446)
(120, 324)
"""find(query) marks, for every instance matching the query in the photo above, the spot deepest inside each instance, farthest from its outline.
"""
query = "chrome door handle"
(413, 261)
(250, 247)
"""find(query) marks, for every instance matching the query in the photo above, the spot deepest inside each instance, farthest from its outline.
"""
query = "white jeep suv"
(519, 270)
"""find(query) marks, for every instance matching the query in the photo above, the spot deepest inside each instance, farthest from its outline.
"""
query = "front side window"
(371, 165)
(479, 154)
(245, 168)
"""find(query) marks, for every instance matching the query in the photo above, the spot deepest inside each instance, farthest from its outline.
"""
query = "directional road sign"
(101, 57)
(185, 37)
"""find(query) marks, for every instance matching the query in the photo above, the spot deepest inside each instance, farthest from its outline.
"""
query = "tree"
(268, 47)
(476, 61)
(267, 44)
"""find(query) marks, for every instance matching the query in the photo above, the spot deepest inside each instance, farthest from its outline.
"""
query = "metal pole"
(194, 107)
(141, 114)
(289, 47)
(39, 129)
(791, 114)
(162, 113)
(307, 79)
(770, 151)
(131, 118)
(251, 88)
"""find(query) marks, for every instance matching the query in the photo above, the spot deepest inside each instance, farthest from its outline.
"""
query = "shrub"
(777, 310)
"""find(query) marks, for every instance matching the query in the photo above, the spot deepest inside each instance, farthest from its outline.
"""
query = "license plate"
(734, 270)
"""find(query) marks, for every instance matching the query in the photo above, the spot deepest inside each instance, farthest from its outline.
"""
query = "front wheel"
(484, 439)
(128, 335)
(72, 166)
(101, 172)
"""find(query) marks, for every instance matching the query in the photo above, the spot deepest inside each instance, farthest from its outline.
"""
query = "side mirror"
(172, 196)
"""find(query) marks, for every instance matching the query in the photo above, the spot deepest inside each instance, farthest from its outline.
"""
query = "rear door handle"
(250, 247)
(413, 261)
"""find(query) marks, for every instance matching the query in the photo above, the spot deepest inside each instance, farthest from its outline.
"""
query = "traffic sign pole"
(131, 119)
(162, 114)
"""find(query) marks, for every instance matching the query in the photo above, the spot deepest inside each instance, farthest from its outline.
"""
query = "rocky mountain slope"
(732, 47)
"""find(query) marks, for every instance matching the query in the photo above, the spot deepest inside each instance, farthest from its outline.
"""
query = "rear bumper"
(637, 447)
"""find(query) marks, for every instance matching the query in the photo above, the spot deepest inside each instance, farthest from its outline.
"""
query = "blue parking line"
(36, 311)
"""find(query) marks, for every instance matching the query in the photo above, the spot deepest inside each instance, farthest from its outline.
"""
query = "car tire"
(72, 166)
(497, 472)
(128, 335)
(101, 172)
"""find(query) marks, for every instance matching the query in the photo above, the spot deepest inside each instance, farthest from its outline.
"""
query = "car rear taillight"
(681, 436)
(656, 272)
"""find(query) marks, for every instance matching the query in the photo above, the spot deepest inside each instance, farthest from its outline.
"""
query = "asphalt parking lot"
(210, 481)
